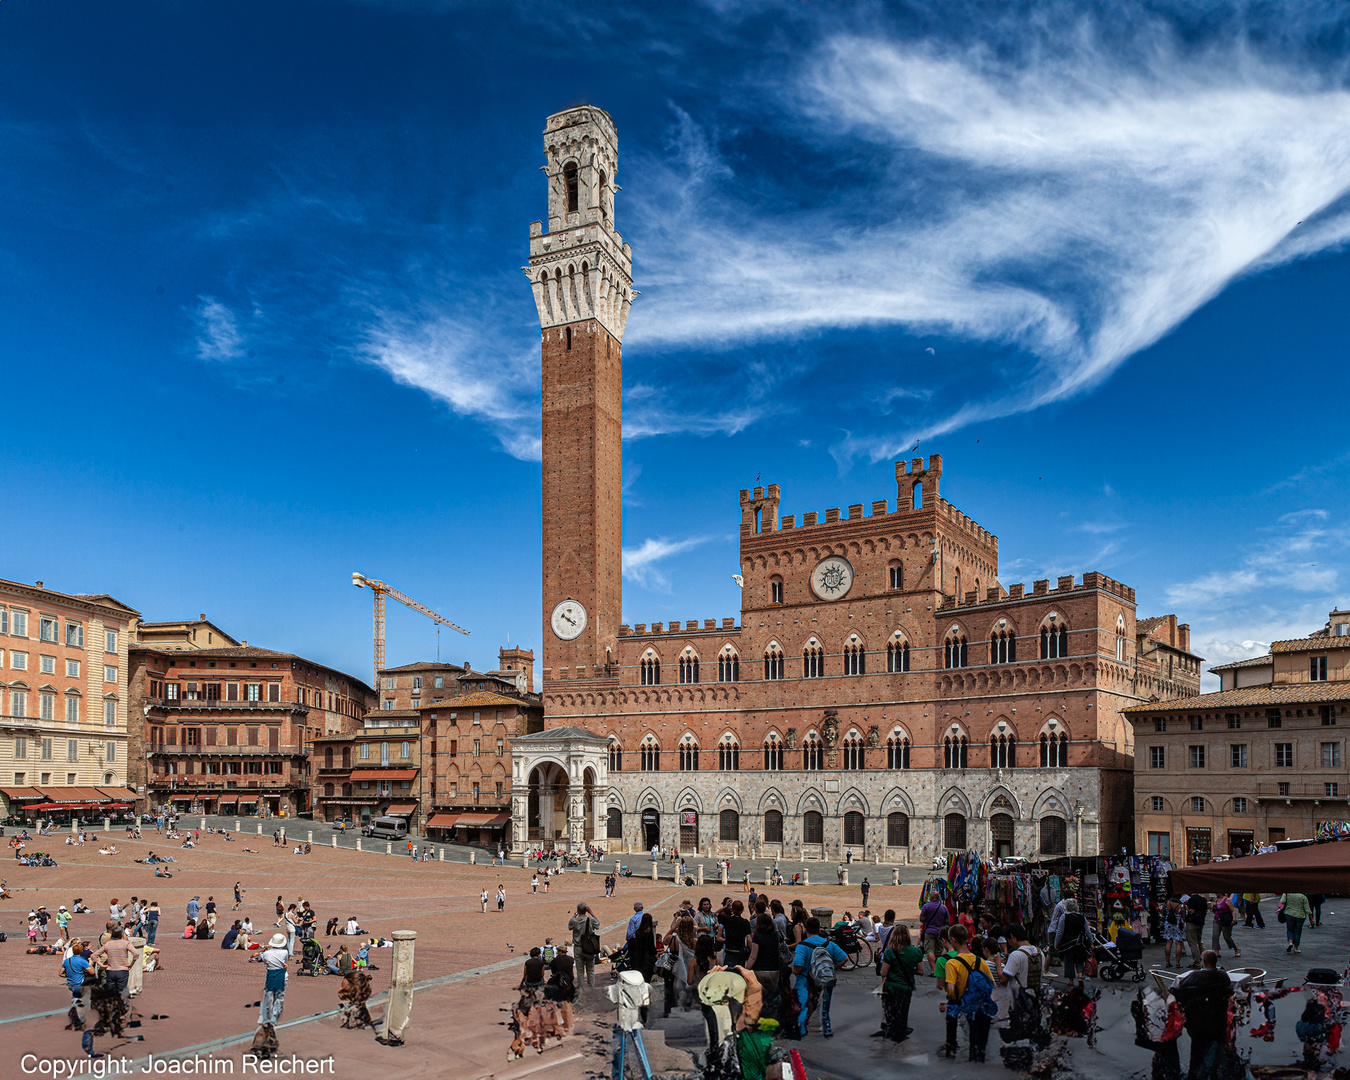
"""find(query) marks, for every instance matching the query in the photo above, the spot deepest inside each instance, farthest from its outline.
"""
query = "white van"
(386, 828)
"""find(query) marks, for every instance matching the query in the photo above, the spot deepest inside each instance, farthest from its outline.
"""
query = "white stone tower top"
(581, 268)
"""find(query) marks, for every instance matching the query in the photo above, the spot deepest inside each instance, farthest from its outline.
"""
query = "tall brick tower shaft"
(581, 273)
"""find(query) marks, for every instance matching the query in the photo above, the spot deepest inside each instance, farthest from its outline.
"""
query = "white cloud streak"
(1077, 209)
(639, 563)
(218, 335)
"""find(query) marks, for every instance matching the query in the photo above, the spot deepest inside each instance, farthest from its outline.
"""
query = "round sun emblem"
(833, 577)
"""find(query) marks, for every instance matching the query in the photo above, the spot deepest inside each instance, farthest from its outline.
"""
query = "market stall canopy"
(442, 821)
(402, 809)
(491, 821)
(1323, 868)
(121, 793)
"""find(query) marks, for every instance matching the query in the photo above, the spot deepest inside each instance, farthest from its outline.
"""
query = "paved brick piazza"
(206, 995)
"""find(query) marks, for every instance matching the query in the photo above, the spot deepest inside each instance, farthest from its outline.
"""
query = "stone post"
(844, 881)
(398, 1013)
(806, 875)
(309, 837)
(260, 828)
(236, 824)
(107, 824)
(473, 857)
(203, 824)
(440, 854)
(768, 877)
(895, 875)
(724, 876)
(700, 873)
(334, 838)
(388, 847)
(358, 843)
(588, 866)
(654, 878)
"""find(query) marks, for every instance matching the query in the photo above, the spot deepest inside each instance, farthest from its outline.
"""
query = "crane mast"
(380, 590)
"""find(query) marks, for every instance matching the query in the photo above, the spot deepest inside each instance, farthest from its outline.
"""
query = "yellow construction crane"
(381, 590)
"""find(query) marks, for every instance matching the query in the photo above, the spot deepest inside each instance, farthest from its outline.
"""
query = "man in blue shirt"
(194, 907)
(808, 991)
(74, 969)
(637, 918)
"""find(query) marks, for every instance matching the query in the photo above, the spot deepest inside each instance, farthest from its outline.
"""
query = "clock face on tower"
(832, 578)
(568, 619)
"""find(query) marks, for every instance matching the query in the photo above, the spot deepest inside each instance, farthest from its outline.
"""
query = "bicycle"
(856, 947)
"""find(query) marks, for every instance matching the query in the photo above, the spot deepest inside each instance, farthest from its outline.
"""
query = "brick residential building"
(881, 690)
(1261, 760)
(230, 729)
(374, 770)
(63, 702)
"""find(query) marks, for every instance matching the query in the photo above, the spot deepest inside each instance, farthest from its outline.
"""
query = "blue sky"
(265, 323)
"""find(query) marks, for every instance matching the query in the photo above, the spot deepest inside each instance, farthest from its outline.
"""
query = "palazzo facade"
(880, 690)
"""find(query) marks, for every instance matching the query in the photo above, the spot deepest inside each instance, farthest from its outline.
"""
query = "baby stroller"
(311, 958)
(1125, 955)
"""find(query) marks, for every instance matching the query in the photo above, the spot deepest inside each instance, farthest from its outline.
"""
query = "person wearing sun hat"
(275, 957)
(63, 924)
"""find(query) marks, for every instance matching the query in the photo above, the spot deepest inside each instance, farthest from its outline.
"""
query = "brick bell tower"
(581, 273)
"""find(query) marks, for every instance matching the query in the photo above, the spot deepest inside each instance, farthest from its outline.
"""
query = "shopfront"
(651, 829)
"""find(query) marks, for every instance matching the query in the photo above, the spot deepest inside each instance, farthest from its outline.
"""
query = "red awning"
(21, 793)
(182, 798)
(483, 820)
(74, 794)
(383, 774)
(1323, 868)
(402, 809)
(442, 821)
(125, 794)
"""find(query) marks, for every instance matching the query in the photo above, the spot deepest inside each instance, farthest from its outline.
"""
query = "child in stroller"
(1126, 954)
(312, 961)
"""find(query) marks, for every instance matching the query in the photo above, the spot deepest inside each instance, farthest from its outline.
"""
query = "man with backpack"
(970, 986)
(814, 964)
(585, 929)
(933, 918)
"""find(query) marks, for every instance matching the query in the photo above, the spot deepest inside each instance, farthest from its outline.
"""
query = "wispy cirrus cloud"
(640, 563)
(1074, 205)
(218, 334)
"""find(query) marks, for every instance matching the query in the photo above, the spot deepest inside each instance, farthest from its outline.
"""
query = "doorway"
(1001, 826)
(1240, 842)
(688, 831)
(1198, 848)
(651, 829)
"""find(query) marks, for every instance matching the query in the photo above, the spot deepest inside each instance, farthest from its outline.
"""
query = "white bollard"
(107, 824)
(440, 854)
(588, 866)
(844, 879)
(260, 830)
(203, 824)
(768, 878)
(653, 871)
(236, 824)
(398, 1013)
(700, 873)
(806, 876)
(724, 875)
(334, 841)
(309, 837)
(895, 875)
(388, 847)
(358, 843)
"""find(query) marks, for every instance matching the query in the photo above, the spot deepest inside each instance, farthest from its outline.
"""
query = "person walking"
(970, 984)
(933, 918)
(1197, 907)
(814, 965)
(1294, 907)
(1174, 930)
(63, 924)
(275, 957)
(1224, 917)
(899, 962)
(1315, 901)
(1204, 996)
(238, 895)
(501, 897)
(194, 907)
(116, 958)
(534, 883)
(483, 897)
(585, 929)
(75, 968)
(866, 887)
(1252, 903)
(1072, 942)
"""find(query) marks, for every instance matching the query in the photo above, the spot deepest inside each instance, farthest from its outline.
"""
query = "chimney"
(244, 644)
(39, 584)
(202, 616)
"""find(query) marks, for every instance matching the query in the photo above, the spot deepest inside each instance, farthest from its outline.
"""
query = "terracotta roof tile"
(1255, 661)
(1324, 641)
(1279, 694)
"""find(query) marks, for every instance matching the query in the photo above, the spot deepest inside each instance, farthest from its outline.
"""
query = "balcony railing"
(1303, 790)
(187, 784)
(283, 750)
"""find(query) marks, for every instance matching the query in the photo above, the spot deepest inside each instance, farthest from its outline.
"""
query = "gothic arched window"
(1054, 640)
(897, 752)
(615, 756)
(897, 655)
(773, 663)
(954, 832)
(688, 754)
(728, 754)
(813, 754)
(1003, 647)
(773, 753)
(1055, 751)
(1120, 638)
(813, 827)
(689, 669)
(855, 833)
(954, 752)
(650, 670)
(955, 650)
(853, 751)
(773, 826)
(855, 659)
(728, 666)
(1002, 752)
(897, 830)
(649, 755)
(1054, 836)
(570, 181)
(729, 825)
(813, 662)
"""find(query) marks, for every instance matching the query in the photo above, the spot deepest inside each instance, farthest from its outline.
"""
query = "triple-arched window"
(688, 669)
(897, 752)
(728, 666)
(649, 668)
(813, 754)
(615, 756)
(897, 655)
(773, 752)
(729, 754)
(1054, 641)
(1003, 647)
(688, 754)
(813, 662)
(956, 651)
(1055, 751)
(649, 755)
(1002, 752)
(855, 659)
(773, 663)
(853, 751)
(955, 752)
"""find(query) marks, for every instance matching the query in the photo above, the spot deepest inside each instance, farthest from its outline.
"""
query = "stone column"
(520, 821)
(398, 1014)
(700, 873)
(895, 875)
(334, 839)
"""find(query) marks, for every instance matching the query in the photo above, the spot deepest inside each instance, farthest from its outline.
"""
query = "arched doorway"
(548, 804)
(651, 829)
(688, 831)
(1001, 830)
